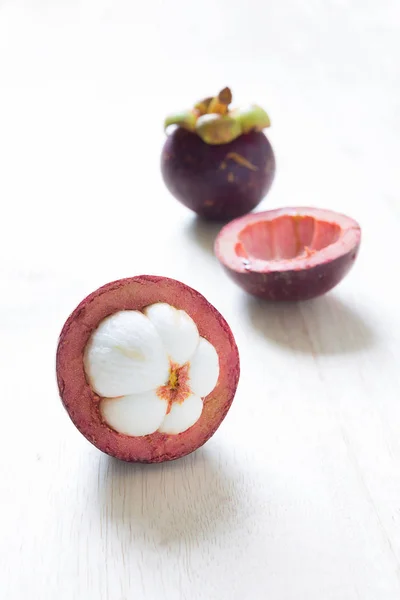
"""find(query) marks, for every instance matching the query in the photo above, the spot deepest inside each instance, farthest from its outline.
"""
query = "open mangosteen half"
(217, 161)
(147, 369)
(289, 253)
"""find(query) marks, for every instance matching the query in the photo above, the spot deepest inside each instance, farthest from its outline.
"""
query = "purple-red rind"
(206, 180)
(295, 285)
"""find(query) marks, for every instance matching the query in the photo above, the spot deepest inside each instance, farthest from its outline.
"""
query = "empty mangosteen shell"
(295, 279)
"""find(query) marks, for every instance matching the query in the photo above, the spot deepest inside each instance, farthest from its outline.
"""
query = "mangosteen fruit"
(289, 253)
(217, 161)
(147, 369)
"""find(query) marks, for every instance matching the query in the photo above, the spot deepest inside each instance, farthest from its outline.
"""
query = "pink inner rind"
(285, 237)
(82, 404)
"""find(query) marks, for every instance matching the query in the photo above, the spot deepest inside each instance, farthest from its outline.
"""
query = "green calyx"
(252, 118)
(213, 121)
(185, 119)
(217, 129)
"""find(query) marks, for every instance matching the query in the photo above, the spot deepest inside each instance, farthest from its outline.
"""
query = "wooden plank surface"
(297, 496)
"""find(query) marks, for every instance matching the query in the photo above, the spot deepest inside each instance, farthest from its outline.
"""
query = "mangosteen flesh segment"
(290, 253)
(138, 377)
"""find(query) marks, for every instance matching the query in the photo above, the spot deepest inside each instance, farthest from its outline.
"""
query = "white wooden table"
(297, 496)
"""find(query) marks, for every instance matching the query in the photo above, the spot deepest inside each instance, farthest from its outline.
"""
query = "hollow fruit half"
(147, 369)
(289, 253)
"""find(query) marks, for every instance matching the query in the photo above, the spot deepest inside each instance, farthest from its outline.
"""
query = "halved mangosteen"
(147, 369)
(218, 162)
(289, 253)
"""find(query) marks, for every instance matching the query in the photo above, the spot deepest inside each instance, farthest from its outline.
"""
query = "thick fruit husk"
(294, 286)
(82, 404)
(218, 182)
(303, 276)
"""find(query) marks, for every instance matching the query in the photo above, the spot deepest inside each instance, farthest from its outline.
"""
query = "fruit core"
(151, 370)
(177, 389)
(285, 237)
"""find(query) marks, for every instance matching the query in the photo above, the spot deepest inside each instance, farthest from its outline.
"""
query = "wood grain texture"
(297, 496)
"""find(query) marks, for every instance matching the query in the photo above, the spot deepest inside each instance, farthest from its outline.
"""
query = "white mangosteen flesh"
(151, 370)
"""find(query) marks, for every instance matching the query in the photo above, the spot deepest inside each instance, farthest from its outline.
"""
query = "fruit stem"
(213, 121)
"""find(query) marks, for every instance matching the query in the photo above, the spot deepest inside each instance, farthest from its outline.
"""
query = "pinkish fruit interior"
(283, 239)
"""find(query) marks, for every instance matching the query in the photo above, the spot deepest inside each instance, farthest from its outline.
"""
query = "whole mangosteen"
(217, 161)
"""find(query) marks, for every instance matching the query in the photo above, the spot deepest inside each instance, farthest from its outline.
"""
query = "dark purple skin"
(210, 182)
(296, 285)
